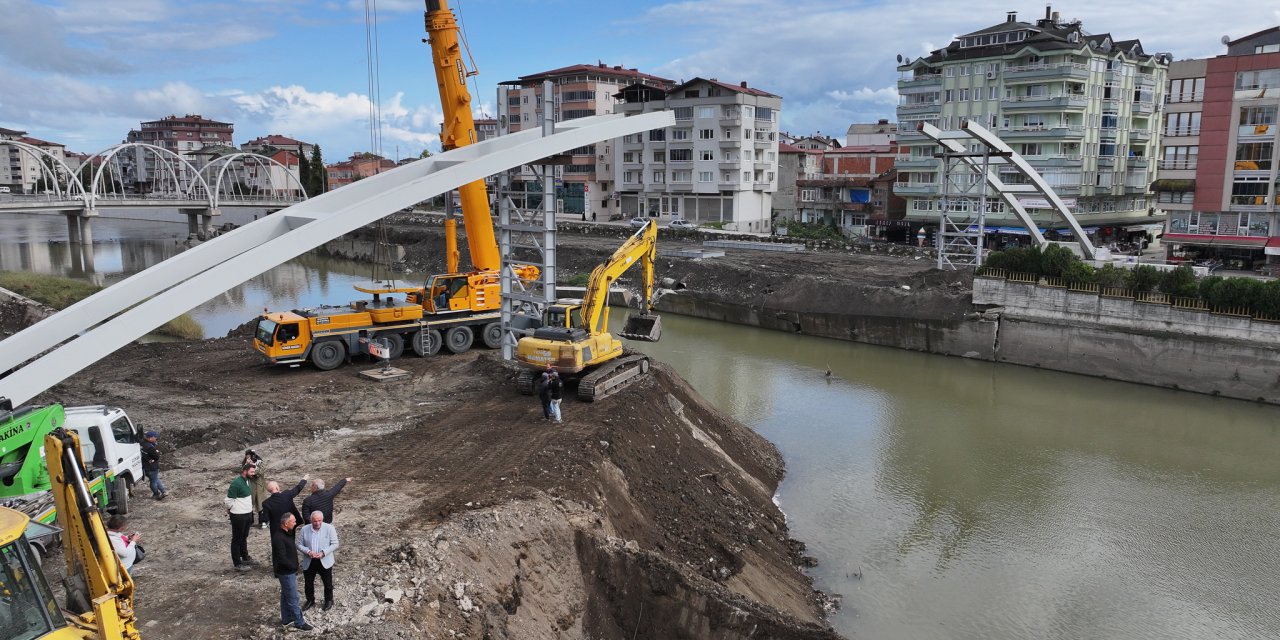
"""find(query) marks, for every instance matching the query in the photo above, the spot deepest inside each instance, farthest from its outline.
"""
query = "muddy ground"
(648, 515)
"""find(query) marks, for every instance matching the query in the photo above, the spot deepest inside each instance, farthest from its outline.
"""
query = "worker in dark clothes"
(284, 564)
(544, 392)
(555, 391)
(281, 502)
(321, 500)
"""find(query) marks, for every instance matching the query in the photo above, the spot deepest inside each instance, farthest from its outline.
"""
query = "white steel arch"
(165, 155)
(224, 163)
(153, 296)
(73, 180)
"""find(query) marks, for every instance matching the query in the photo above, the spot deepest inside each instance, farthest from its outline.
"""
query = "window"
(1254, 156)
(1257, 115)
(657, 135)
(680, 134)
(977, 94)
(1250, 191)
(806, 195)
(765, 113)
(629, 156)
(659, 177)
(993, 93)
(681, 155)
(629, 176)
(964, 69)
(706, 176)
(769, 177)
(1264, 79)
(949, 95)
(684, 113)
(707, 134)
(746, 176)
(1109, 120)
(1107, 149)
(1267, 48)
(726, 176)
(1182, 124)
(1186, 90)
(692, 93)
(727, 134)
(659, 156)
(707, 154)
(706, 112)
(949, 72)
(681, 176)
(964, 95)
(749, 111)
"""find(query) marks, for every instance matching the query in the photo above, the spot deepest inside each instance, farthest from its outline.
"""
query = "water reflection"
(979, 500)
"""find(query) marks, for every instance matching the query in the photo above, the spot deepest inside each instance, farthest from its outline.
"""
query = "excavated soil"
(647, 515)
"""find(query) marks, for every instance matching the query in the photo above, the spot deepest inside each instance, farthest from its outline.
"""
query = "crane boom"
(459, 130)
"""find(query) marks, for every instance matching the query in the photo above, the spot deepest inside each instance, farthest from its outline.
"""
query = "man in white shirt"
(125, 544)
(317, 542)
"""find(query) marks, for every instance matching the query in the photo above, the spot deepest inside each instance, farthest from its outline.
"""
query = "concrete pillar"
(73, 226)
(193, 223)
(86, 238)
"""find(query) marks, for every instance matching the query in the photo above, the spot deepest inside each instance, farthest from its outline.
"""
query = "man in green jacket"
(239, 503)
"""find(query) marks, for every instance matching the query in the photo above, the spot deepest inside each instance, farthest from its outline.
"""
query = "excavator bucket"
(644, 327)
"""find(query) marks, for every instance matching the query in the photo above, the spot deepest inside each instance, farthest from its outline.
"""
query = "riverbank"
(647, 516)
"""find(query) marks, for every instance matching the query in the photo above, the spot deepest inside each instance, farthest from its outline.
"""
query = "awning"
(1242, 242)
(1273, 247)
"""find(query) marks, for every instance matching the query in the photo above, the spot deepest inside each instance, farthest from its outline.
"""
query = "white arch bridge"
(138, 175)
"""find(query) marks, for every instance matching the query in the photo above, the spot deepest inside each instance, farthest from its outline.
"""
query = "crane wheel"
(328, 355)
(427, 342)
(493, 335)
(458, 339)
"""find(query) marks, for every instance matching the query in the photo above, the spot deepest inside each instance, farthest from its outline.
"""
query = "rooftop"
(617, 71)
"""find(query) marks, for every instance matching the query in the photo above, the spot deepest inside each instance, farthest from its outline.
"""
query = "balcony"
(1042, 131)
(730, 186)
(632, 186)
(761, 186)
(1182, 131)
(731, 143)
(920, 107)
(681, 143)
(926, 80)
(729, 165)
(1256, 131)
(1139, 135)
(1139, 162)
(680, 187)
(1144, 107)
(915, 188)
(1146, 79)
(1045, 102)
(764, 144)
(1177, 165)
(632, 145)
(730, 119)
(763, 166)
(915, 162)
(1038, 72)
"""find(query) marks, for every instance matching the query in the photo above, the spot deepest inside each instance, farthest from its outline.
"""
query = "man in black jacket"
(284, 563)
(281, 502)
(151, 464)
(321, 500)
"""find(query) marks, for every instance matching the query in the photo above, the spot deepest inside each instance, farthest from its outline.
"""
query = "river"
(943, 498)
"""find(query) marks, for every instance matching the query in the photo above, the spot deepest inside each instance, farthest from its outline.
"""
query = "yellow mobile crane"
(99, 590)
(574, 338)
(452, 309)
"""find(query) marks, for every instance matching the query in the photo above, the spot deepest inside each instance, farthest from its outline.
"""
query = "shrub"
(1143, 278)
(1268, 299)
(1111, 276)
(1079, 273)
(1179, 282)
(1055, 260)
(811, 231)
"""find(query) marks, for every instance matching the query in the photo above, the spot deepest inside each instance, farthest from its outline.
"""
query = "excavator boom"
(642, 246)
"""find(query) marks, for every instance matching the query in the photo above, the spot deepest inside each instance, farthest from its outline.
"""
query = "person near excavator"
(151, 464)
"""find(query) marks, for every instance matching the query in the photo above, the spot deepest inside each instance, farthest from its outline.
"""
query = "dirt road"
(648, 515)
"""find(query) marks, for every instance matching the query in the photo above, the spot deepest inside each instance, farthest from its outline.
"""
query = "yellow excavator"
(99, 590)
(574, 338)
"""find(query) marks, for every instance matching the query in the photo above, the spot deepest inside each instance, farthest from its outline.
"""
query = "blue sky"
(83, 72)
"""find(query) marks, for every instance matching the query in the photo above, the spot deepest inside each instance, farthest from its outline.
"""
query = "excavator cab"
(29, 610)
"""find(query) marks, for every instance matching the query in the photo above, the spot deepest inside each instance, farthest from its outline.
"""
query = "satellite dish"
(899, 58)
(1226, 39)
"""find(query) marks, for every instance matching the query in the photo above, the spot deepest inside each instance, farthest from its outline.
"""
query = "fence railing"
(1146, 297)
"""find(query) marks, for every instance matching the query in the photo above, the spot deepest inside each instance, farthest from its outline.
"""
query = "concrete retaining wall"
(33, 311)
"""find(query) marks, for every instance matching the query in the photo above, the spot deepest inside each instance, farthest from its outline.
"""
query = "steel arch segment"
(38, 152)
(261, 245)
(112, 151)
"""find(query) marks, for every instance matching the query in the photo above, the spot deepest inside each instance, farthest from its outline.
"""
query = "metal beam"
(229, 260)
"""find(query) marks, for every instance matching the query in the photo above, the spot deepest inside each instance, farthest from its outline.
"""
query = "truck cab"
(109, 440)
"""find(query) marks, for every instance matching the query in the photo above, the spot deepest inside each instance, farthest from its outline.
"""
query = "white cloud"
(887, 95)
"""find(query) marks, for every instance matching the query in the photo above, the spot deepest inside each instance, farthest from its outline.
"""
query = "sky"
(84, 72)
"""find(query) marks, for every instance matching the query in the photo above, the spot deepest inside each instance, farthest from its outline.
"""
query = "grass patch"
(53, 291)
(578, 280)
(60, 293)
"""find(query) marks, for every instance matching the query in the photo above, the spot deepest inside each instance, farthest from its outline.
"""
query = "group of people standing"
(551, 392)
(250, 496)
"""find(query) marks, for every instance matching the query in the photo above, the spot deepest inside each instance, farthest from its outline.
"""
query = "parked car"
(680, 223)
(637, 223)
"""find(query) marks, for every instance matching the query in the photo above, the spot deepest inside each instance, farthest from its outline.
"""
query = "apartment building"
(717, 165)
(1083, 108)
(853, 191)
(183, 134)
(585, 185)
(357, 167)
(20, 170)
(794, 164)
(880, 133)
(269, 144)
(1218, 180)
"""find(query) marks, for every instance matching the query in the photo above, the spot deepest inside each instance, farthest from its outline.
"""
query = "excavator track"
(612, 377)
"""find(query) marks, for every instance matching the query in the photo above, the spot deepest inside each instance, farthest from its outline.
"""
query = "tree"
(304, 173)
(319, 182)
(426, 153)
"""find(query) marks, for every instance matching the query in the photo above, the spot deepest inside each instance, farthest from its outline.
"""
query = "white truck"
(110, 440)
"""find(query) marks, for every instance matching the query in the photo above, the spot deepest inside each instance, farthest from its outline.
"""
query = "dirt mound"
(648, 515)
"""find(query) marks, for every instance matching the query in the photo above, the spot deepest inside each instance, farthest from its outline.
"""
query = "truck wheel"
(120, 496)
(458, 339)
(493, 335)
(328, 355)
(427, 342)
(395, 343)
